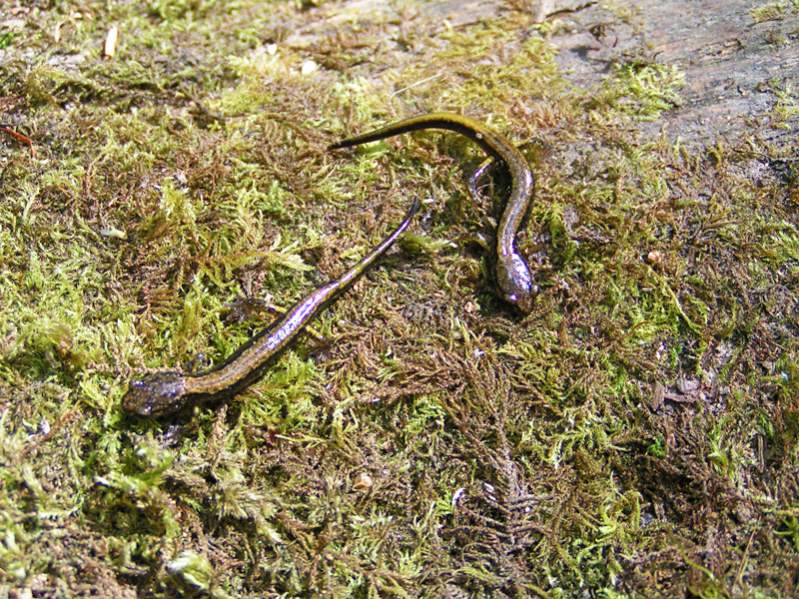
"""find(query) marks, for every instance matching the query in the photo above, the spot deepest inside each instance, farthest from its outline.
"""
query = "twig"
(24, 139)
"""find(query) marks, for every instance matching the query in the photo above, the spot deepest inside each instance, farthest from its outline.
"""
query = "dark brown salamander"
(162, 393)
(514, 278)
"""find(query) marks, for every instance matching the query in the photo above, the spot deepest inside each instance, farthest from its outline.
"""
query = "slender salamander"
(514, 278)
(161, 393)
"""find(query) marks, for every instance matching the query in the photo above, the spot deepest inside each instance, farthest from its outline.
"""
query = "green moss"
(789, 529)
(433, 443)
(786, 109)
(641, 90)
(773, 10)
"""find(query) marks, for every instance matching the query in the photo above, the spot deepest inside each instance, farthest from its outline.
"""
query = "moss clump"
(635, 436)
(773, 11)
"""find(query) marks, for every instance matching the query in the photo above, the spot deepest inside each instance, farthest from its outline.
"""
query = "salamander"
(513, 274)
(166, 392)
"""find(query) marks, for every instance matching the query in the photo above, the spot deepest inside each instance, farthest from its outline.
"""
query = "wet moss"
(634, 436)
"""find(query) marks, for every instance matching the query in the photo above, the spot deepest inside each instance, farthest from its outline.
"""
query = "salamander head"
(156, 394)
(515, 282)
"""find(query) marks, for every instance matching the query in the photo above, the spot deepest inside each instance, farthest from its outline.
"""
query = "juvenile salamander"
(514, 278)
(162, 393)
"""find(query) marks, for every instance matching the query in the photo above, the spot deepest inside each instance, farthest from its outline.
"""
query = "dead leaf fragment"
(658, 395)
(308, 67)
(655, 257)
(362, 483)
(111, 42)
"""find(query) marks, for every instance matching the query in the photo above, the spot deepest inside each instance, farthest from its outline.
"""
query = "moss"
(641, 90)
(634, 436)
(786, 108)
(772, 11)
